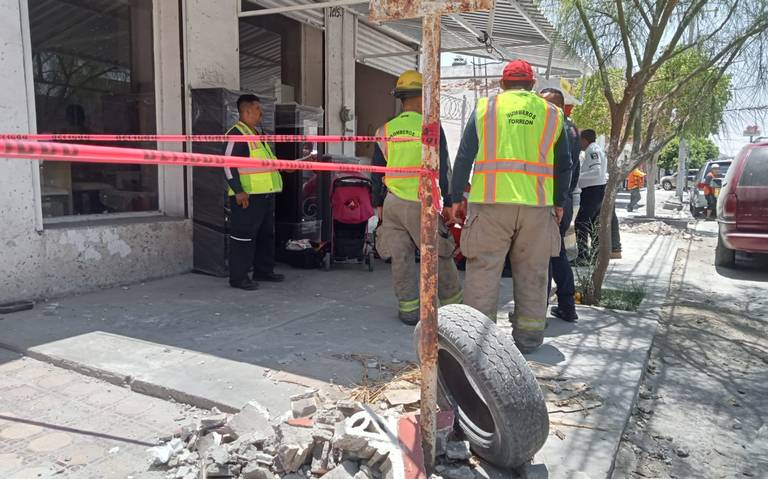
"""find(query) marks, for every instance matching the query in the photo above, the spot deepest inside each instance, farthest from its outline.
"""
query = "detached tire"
(487, 382)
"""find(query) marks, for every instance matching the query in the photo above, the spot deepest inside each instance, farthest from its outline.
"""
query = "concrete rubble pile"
(341, 440)
(660, 228)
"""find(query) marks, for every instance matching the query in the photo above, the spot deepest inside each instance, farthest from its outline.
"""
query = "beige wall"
(375, 103)
(39, 260)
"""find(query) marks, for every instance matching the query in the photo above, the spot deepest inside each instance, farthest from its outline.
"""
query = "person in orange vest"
(635, 181)
(709, 191)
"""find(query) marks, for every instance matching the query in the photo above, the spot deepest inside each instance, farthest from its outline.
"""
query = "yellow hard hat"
(408, 84)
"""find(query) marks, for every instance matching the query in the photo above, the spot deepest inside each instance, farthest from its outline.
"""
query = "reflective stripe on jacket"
(257, 179)
(517, 131)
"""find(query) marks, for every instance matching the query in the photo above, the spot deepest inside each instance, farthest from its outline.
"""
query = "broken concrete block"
(219, 455)
(320, 458)
(345, 470)
(291, 457)
(462, 472)
(322, 435)
(304, 407)
(162, 454)
(377, 458)
(192, 459)
(212, 421)
(358, 431)
(348, 439)
(218, 470)
(458, 450)
(252, 421)
(253, 455)
(348, 407)
(295, 447)
(255, 471)
(365, 472)
(226, 433)
(329, 416)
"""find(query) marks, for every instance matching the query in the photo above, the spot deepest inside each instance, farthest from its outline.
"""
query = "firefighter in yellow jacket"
(399, 209)
(522, 169)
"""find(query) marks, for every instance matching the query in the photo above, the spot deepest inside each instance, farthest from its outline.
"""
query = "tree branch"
(601, 64)
(622, 21)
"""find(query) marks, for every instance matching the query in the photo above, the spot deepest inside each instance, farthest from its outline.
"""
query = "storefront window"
(93, 73)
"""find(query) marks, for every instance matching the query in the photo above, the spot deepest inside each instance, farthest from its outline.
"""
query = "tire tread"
(491, 358)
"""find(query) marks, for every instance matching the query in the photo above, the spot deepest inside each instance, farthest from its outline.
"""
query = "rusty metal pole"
(430, 44)
(429, 11)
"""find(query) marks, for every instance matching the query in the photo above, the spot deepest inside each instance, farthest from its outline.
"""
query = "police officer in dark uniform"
(252, 202)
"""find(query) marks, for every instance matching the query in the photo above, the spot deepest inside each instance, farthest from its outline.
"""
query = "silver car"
(698, 202)
(669, 182)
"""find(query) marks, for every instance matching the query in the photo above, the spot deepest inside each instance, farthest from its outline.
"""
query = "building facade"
(131, 67)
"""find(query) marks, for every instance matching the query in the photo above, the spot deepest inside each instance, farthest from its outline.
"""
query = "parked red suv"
(742, 207)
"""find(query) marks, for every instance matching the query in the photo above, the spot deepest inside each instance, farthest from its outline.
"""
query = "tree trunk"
(604, 235)
(650, 197)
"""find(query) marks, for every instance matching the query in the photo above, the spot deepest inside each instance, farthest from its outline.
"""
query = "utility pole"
(682, 155)
(430, 12)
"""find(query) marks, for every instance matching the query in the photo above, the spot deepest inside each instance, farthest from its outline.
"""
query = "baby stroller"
(351, 208)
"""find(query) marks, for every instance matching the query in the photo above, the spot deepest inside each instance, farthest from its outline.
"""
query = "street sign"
(752, 130)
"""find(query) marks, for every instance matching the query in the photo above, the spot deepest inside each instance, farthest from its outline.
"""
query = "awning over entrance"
(513, 29)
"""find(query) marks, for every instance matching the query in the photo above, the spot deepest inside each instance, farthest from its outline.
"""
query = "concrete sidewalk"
(193, 338)
(57, 423)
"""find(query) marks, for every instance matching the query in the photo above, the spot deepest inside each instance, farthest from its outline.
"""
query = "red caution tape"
(203, 138)
(38, 150)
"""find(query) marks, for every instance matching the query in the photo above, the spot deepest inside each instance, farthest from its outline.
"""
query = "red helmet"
(518, 70)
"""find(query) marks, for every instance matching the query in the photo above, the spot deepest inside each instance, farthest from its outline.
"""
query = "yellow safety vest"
(515, 160)
(258, 179)
(402, 154)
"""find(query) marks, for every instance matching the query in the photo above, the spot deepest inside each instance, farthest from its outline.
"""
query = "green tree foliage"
(701, 102)
(700, 150)
(652, 42)
(702, 108)
(593, 112)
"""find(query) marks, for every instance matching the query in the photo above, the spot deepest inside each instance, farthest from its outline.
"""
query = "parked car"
(669, 182)
(697, 200)
(742, 207)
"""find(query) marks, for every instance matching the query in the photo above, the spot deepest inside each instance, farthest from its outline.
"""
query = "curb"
(136, 385)
(671, 287)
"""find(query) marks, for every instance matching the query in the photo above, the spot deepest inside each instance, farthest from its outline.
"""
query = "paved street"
(704, 399)
(58, 423)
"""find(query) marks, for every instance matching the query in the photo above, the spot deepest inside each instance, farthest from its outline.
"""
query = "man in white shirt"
(592, 180)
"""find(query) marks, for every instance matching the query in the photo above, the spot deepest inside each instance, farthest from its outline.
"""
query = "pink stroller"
(351, 208)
